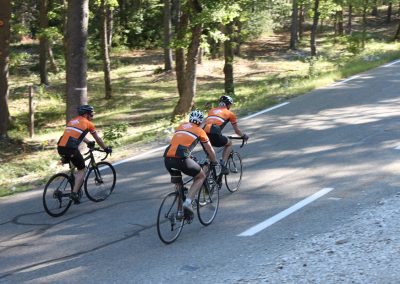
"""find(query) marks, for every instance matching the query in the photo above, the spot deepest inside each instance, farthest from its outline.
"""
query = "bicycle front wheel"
(170, 219)
(234, 178)
(100, 181)
(208, 201)
(56, 194)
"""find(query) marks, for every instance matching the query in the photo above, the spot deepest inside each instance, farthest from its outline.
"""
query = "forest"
(144, 64)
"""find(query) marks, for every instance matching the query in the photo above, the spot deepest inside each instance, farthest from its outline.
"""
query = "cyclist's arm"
(210, 151)
(237, 130)
(98, 140)
(86, 140)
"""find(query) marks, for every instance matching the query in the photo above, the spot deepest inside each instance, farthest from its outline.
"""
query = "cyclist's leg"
(227, 150)
(79, 162)
(191, 168)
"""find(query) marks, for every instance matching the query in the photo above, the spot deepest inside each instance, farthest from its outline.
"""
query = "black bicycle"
(99, 183)
(234, 164)
(172, 217)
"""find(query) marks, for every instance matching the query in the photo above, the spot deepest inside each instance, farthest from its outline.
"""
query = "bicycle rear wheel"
(169, 222)
(208, 201)
(234, 178)
(100, 181)
(56, 195)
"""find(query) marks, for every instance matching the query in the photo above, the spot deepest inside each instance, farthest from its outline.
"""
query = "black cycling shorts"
(72, 155)
(217, 140)
(177, 166)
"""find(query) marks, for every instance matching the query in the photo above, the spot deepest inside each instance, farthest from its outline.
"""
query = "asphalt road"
(339, 142)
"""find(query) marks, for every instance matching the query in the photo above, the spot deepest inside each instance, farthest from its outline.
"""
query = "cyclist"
(177, 155)
(74, 134)
(217, 119)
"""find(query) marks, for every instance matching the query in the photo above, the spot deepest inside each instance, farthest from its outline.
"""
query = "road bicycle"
(172, 217)
(99, 183)
(234, 164)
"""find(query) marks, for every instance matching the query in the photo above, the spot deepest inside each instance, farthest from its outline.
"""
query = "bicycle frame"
(92, 163)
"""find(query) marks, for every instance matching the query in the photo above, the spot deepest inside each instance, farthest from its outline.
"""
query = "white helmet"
(196, 117)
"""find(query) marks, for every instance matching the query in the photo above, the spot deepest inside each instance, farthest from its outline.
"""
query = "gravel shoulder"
(364, 250)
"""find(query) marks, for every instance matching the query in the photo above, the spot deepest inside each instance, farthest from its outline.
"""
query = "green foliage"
(18, 60)
(312, 71)
(354, 44)
(112, 133)
(18, 31)
(52, 34)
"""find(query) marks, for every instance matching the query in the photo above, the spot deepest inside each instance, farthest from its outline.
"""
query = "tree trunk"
(185, 101)
(237, 38)
(389, 13)
(105, 49)
(110, 25)
(53, 64)
(167, 36)
(181, 24)
(294, 26)
(397, 35)
(314, 28)
(65, 33)
(301, 20)
(200, 56)
(364, 24)
(77, 26)
(5, 15)
(339, 17)
(43, 42)
(229, 55)
(349, 21)
(374, 11)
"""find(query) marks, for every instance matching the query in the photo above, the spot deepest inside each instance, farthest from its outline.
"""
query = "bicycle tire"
(100, 181)
(208, 201)
(169, 224)
(234, 178)
(56, 194)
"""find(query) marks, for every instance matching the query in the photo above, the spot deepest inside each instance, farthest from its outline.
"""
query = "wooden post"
(31, 113)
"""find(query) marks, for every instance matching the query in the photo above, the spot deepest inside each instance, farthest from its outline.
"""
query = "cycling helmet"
(196, 117)
(85, 109)
(227, 100)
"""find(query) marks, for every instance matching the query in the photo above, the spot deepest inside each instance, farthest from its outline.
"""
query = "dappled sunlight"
(333, 118)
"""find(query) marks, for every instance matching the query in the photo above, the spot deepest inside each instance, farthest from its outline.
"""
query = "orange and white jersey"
(217, 119)
(185, 138)
(76, 130)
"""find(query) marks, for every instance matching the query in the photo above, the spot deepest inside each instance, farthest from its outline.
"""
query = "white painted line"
(265, 224)
(265, 110)
(345, 81)
(391, 63)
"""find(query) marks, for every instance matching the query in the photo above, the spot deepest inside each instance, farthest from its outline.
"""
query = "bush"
(113, 133)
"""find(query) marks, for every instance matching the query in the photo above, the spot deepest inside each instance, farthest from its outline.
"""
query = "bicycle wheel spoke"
(208, 202)
(100, 181)
(234, 178)
(56, 195)
(170, 219)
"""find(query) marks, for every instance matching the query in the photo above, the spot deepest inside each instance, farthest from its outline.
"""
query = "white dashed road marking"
(265, 224)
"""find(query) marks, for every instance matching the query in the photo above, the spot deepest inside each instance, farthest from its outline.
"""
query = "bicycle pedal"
(189, 216)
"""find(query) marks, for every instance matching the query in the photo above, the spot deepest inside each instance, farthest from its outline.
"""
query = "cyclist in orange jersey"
(215, 122)
(74, 134)
(177, 155)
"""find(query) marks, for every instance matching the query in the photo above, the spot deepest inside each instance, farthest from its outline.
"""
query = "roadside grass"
(143, 100)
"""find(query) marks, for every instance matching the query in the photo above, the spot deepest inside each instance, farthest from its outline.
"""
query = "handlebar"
(98, 150)
(238, 138)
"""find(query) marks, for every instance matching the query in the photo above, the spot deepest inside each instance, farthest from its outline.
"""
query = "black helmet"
(85, 109)
(227, 100)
